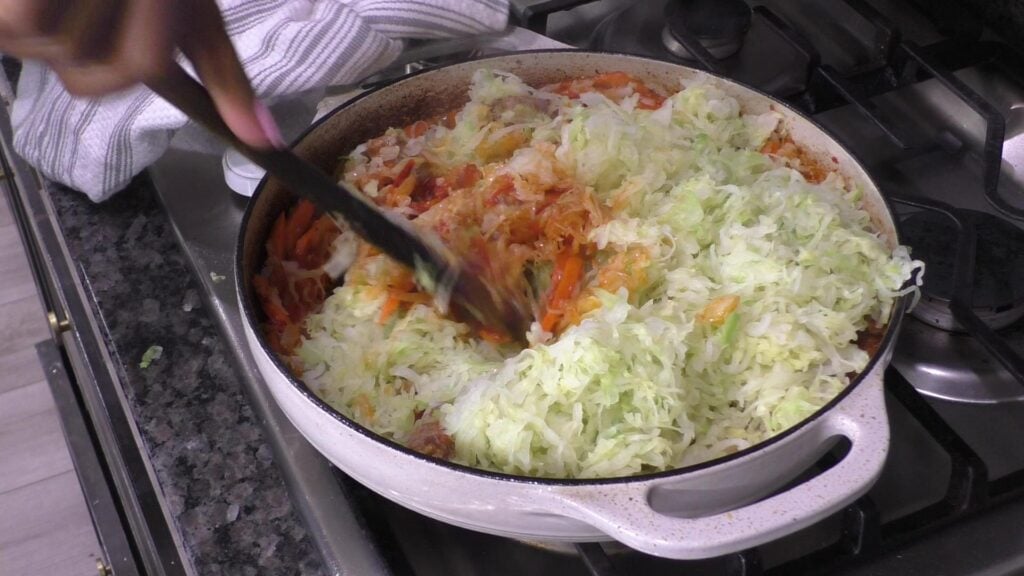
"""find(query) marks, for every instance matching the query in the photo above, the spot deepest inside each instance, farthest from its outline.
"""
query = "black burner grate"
(961, 302)
(968, 490)
(904, 63)
(863, 535)
(862, 532)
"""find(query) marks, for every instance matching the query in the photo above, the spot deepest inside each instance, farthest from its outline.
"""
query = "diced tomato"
(416, 129)
(428, 437)
(772, 146)
(566, 88)
(649, 99)
(613, 85)
(397, 194)
(465, 176)
(612, 80)
(404, 172)
(650, 102)
(427, 193)
(502, 190)
(550, 197)
(374, 145)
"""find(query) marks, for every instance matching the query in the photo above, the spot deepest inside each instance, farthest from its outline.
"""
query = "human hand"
(101, 46)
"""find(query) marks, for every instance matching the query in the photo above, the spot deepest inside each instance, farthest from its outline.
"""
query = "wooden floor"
(44, 523)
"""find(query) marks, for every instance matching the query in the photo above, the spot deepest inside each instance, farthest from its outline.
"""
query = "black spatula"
(438, 271)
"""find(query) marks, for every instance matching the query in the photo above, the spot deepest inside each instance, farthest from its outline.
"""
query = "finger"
(32, 48)
(19, 18)
(146, 48)
(27, 28)
(94, 80)
(143, 51)
(206, 44)
(91, 28)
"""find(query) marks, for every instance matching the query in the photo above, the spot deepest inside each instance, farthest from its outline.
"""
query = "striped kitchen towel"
(286, 46)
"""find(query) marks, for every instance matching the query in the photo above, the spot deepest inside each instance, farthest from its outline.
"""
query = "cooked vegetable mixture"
(700, 283)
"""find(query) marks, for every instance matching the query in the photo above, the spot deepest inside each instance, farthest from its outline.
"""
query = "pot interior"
(435, 92)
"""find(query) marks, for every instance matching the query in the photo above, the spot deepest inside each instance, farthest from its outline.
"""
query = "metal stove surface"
(924, 478)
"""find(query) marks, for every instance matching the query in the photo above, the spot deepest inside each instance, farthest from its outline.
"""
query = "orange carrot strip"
(565, 279)
(299, 222)
(277, 245)
(312, 248)
(388, 310)
(405, 171)
(270, 301)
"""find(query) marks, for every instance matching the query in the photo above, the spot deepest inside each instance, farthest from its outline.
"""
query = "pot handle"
(625, 513)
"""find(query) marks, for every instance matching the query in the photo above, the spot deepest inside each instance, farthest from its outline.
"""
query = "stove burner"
(952, 366)
(719, 25)
(766, 59)
(998, 296)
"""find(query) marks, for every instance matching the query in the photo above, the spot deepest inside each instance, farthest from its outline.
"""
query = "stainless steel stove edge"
(189, 184)
(137, 520)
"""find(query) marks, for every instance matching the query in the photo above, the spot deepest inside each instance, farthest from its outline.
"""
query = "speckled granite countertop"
(220, 485)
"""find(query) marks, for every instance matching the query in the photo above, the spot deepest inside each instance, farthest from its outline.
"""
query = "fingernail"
(270, 129)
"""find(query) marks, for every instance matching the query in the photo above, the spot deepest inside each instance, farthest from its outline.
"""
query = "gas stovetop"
(933, 105)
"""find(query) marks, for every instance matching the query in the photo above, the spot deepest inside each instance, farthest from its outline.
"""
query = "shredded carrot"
(277, 245)
(405, 171)
(271, 301)
(401, 289)
(391, 306)
(564, 281)
(500, 223)
(313, 247)
(299, 222)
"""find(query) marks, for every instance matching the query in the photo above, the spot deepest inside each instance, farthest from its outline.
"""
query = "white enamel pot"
(725, 505)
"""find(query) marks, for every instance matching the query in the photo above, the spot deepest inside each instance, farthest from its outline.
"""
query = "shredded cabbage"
(639, 384)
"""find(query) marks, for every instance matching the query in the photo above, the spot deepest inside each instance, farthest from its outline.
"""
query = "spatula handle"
(393, 237)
